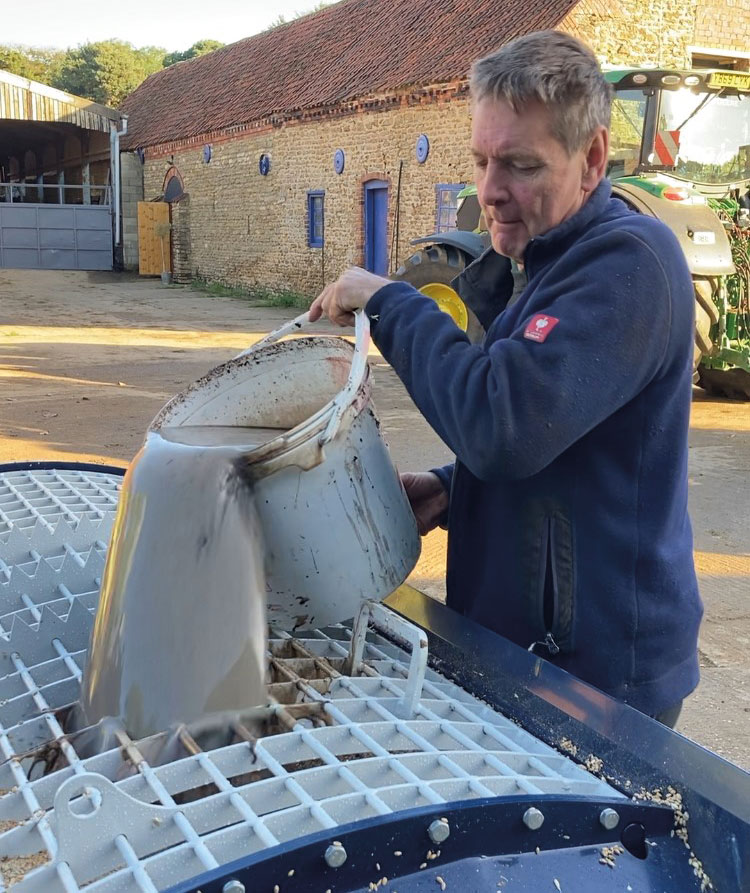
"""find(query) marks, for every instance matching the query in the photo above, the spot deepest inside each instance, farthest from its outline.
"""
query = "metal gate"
(55, 237)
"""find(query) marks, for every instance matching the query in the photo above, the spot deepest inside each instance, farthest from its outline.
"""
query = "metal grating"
(45, 496)
(358, 727)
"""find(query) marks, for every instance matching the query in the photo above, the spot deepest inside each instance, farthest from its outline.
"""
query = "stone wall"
(182, 251)
(242, 228)
(245, 229)
(660, 32)
(723, 25)
(636, 32)
(131, 173)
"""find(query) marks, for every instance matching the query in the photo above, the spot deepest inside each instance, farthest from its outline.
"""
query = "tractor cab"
(680, 150)
(682, 130)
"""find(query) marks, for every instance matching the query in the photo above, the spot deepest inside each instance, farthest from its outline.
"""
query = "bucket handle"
(357, 372)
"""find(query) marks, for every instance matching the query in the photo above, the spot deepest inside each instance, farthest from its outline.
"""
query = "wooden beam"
(12, 82)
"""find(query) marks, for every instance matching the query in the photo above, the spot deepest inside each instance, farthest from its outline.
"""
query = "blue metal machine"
(490, 847)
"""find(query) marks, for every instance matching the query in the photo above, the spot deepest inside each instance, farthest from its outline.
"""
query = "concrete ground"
(87, 359)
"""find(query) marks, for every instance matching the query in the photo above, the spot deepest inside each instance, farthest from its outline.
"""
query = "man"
(567, 506)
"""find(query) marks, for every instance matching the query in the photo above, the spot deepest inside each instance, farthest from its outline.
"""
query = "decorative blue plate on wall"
(206, 153)
(339, 160)
(264, 164)
(423, 148)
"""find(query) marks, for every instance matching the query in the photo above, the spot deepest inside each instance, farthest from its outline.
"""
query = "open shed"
(59, 173)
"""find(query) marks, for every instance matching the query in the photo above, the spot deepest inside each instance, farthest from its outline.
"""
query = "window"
(315, 218)
(713, 135)
(713, 62)
(626, 132)
(447, 205)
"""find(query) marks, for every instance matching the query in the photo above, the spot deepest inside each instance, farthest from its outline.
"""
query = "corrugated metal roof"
(353, 49)
(24, 100)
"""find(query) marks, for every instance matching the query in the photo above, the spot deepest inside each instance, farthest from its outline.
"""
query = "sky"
(174, 26)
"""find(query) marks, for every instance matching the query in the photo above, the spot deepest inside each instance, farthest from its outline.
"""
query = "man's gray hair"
(554, 69)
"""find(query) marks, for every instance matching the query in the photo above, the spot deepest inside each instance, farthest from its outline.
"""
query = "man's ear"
(595, 160)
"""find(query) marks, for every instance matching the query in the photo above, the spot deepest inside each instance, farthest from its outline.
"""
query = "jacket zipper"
(551, 586)
(548, 642)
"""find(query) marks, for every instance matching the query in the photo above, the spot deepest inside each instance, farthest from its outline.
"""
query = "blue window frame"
(447, 205)
(315, 218)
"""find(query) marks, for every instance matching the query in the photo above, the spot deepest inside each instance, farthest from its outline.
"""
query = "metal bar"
(67, 657)
(373, 612)
(44, 708)
(57, 187)
(728, 355)
(134, 864)
(35, 612)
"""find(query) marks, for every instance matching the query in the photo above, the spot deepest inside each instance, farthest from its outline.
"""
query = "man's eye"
(525, 168)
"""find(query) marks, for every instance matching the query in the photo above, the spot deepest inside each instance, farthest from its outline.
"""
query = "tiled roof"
(352, 49)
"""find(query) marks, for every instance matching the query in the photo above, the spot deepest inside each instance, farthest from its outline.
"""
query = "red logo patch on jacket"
(540, 326)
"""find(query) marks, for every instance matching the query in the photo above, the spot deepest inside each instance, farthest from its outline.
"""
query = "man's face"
(526, 181)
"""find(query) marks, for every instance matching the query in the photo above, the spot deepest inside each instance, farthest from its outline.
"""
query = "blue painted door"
(376, 227)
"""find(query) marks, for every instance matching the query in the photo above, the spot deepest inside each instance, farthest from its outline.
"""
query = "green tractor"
(680, 151)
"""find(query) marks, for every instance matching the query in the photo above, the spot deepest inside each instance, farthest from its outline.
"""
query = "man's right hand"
(428, 498)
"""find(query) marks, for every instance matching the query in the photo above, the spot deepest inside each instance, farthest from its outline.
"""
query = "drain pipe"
(114, 154)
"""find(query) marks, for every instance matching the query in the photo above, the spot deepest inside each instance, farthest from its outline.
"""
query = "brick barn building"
(337, 138)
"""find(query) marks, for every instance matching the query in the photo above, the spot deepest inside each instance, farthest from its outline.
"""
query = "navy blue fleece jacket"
(568, 521)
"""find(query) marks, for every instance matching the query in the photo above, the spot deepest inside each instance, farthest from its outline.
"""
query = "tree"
(282, 20)
(35, 63)
(199, 48)
(107, 71)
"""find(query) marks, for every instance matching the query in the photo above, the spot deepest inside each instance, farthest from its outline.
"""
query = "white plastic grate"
(46, 496)
(358, 728)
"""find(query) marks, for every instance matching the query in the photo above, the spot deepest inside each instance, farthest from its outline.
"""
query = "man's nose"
(494, 189)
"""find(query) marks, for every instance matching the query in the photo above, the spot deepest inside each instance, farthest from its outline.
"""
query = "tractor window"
(707, 135)
(315, 218)
(447, 206)
(626, 132)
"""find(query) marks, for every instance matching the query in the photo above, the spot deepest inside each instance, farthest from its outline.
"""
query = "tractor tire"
(440, 264)
(706, 314)
(731, 383)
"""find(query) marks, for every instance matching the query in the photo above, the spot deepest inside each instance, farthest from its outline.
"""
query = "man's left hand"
(350, 292)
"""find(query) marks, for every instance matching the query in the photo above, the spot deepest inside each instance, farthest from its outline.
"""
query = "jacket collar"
(555, 238)
(486, 285)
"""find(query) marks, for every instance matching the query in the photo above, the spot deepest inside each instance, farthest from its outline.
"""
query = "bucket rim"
(291, 439)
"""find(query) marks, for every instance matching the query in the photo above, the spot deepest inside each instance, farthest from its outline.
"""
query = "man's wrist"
(444, 474)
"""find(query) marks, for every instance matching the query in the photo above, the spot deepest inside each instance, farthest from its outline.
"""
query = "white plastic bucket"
(216, 535)
(338, 527)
